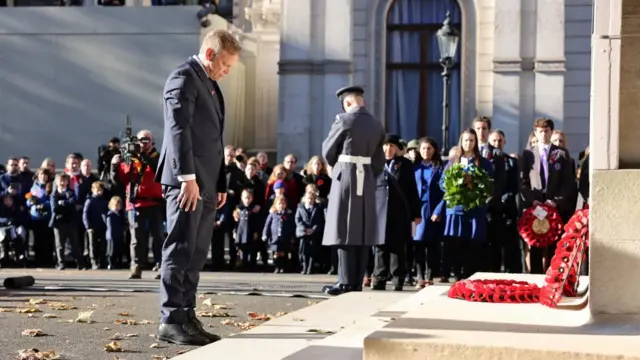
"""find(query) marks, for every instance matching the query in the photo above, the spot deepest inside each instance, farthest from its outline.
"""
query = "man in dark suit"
(546, 176)
(191, 170)
(495, 224)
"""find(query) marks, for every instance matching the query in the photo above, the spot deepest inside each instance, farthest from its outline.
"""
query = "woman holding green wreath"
(467, 183)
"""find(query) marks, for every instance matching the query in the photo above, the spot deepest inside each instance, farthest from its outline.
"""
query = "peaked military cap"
(349, 90)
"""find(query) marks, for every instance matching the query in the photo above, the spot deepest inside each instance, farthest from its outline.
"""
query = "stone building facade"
(518, 60)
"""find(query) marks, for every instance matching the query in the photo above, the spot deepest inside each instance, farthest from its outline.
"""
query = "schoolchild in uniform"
(115, 233)
(95, 209)
(466, 230)
(248, 220)
(12, 232)
(427, 239)
(279, 231)
(63, 221)
(309, 229)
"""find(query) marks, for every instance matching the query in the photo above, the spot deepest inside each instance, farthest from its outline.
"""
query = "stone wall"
(69, 76)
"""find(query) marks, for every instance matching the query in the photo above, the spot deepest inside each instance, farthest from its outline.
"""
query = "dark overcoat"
(431, 201)
(397, 202)
(248, 224)
(351, 219)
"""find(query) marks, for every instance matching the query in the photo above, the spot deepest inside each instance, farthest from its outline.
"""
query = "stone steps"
(351, 317)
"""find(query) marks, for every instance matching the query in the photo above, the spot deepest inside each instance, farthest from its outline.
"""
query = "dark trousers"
(96, 245)
(496, 240)
(63, 232)
(370, 262)
(184, 253)
(513, 249)
(217, 248)
(233, 251)
(352, 263)
(249, 254)
(307, 251)
(540, 258)
(389, 263)
(145, 222)
(43, 243)
(428, 258)
(113, 253)
(409, 258)
(466, 256)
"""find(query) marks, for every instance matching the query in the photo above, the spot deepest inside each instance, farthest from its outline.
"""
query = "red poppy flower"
(320, 182)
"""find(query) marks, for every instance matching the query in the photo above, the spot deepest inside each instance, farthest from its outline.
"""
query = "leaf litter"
(35, 354)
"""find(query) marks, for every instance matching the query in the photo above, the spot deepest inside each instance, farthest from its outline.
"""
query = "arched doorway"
(414, 88)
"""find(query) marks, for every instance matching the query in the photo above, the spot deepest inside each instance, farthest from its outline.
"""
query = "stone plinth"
(448, 329)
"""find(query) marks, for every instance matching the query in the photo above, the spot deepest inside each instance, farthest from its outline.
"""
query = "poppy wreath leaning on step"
(540, 232)
(495, 291)
(563, 273)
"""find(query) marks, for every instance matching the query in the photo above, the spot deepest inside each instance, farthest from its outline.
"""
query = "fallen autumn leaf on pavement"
(242, 325)
(116, 337)
(255, 316)
(35, 354)
(84, 317)
(113, 346)
(124, 313)
(180, 352)
(213, 314)
(30, 310)
(125, 322)
(159, 357)
(61, 306)
(156, 346)
(37, 301)
(320, 331)
(32, 332)
(50, 316)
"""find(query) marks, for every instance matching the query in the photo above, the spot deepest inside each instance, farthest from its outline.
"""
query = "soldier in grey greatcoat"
(353, 149)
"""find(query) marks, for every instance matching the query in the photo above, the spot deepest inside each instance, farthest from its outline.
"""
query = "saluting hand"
(189, 195)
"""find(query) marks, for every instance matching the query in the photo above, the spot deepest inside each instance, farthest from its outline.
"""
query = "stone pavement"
(82, 341)
(231, 283)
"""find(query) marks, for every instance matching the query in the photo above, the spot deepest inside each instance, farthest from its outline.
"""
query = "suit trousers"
(389, 263)
(145, 221)
(352, 263)
(184, 254)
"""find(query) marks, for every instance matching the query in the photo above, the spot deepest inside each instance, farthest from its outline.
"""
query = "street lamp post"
(448, 38)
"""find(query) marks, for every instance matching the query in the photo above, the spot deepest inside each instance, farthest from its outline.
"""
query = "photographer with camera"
(105, 155)
(135, 169)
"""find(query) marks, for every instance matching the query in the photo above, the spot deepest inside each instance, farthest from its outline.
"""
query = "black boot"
(338, 289)
(198, 325)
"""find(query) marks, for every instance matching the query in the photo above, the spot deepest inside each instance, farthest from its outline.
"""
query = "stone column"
(549, 61)
(294, 120)
(615, 159)
(507, 67)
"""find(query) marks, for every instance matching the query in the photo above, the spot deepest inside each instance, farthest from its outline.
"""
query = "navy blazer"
(193, 129)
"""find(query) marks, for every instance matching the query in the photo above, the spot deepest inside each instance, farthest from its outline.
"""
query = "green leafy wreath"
(469, 186)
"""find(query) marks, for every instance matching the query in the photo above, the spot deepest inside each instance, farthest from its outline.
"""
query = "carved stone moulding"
(512, 65)
(311, 67)
(550, 65)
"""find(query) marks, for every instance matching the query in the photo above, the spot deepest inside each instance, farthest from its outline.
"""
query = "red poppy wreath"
(561, 279)
(540, 226)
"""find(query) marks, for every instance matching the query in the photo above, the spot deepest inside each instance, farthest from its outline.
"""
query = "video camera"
(130, 145)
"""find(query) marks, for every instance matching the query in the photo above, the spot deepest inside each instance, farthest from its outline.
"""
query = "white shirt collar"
(542, 147)
(197, 59)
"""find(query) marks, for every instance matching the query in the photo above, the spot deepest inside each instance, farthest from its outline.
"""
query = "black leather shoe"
(181, 334)
(379, 285)
(198, 325)
(337, 289)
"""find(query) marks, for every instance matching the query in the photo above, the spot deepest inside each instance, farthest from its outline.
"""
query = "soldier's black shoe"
(136, 272)
(181, 334)
(379, 285)
(337, 289)
(198, 325)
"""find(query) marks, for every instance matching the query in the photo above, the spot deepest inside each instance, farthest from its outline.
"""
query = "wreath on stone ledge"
(540, 226)
(561, 279)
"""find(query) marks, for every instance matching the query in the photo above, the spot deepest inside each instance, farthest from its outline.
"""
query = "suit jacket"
(561, 184)
(497, 160)
(193, 127)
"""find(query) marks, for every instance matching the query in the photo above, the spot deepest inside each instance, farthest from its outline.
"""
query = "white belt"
(360, 162)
